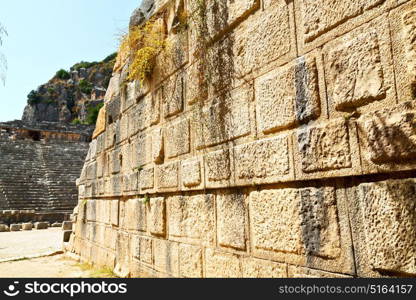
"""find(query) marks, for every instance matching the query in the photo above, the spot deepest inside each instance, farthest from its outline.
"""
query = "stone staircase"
(39, 176)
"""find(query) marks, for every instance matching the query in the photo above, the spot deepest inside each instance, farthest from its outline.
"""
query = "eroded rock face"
(254, 146)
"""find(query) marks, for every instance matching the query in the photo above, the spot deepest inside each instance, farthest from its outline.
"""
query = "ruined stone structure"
(274, 138)
(39, 167)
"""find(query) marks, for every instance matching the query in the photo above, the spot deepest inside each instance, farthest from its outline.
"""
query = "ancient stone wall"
(274, 138)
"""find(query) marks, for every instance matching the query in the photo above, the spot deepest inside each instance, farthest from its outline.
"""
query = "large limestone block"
(129, 95)
(123, 255)
(359, 72)
(264, 161)
(192, 219)
(100, 124)
(110, 136)
(173, 57)
(147, 179)
(258, 268)
(142, 150)
(116, 183)
(222, 15)
(142, 249)
(384, 226)
(289, 95)
(113, 89)
(196, 82)
(275, 28)
(114, 212)
(167, 176)
(222, 265)
(91, 210)
(114, 161)
(322, 20)
(303, 226)
(192, 173)
(326, 150)
(158, 146)
(173, 94)
(134, 215)
(403, 31)
(157, 216)
(147, 111)
(166, 257)
(190, 261)
(219, 166)
(232, 220)
(178, 138)
(113, 110)
(227, 118)
(387, 138)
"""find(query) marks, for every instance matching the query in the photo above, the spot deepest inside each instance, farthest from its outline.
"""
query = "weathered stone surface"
(114, 212)
(196, 82)
(251, 150)
(122, 267)
(101, 123)
(38, 225)
(274, 27)
(157, 216)
(173, 95)
(134, 215)
(166, 257)
(231, 220)
(319, 17)
(257, 268)
(221, 15)
(147, 178)
(178, 138)
(17, 227)
(388, 212)
(67, 225)
(358, 68)
(389, 136)
(227, 119)
(192, 218)
(173, 57)
(190, 261)
(115, 161)
(307, 220)
(221, 265)
(264, 161)
(402, 22)
(147, 111)
(158, 146)
(167, 175)
(324, 147)
(287, 96)
(191, 173)
(218, 168)
(142, 150)
(142, 249)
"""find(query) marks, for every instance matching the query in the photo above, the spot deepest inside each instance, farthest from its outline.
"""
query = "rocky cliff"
(73, 96)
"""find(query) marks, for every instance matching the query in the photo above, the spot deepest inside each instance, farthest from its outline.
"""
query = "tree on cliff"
(3, 62)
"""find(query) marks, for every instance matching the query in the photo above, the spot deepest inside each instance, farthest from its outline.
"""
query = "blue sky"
(47, 35)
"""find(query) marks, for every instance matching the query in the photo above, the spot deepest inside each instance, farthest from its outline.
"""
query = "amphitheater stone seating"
(39, 168)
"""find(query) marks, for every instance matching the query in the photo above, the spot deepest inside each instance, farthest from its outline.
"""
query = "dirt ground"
(29, 243)
(56, 266)
(29, 254)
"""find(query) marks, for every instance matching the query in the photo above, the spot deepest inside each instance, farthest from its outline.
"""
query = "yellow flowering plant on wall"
(143, 44)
